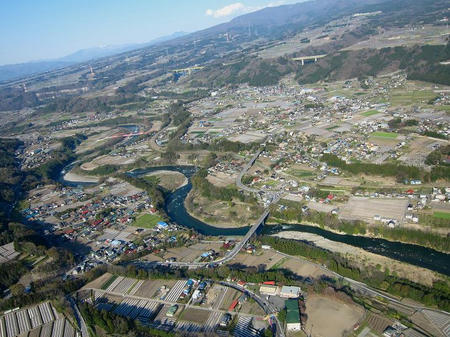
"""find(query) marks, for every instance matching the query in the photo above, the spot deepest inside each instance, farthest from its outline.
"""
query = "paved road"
(364, 288)
(265, 305)
(231, 254)
(228, 256)
(80, 320)
(247, 166)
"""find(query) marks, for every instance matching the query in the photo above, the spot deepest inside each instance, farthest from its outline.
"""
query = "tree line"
(437, 295)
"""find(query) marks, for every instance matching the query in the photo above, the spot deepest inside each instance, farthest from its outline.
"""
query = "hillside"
(420, 63)
(230, 54)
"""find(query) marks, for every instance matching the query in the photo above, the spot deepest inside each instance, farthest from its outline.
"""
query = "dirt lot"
(251, 307)
(248, 137)
(303, 268)
(74, 177)
(215, 296)
(195, 315)
(170, 180)
(98, 282)
(365, 209)
(107, 160)
(151, 258)
(268, 258)
(339, 316)
(123, 189)
(221, 179)
(183, 254)
(151, 288)
(188, 254)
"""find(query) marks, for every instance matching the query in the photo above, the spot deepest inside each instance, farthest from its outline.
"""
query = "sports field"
(147, 221)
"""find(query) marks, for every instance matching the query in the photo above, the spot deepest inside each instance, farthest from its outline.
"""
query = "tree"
(17, 289)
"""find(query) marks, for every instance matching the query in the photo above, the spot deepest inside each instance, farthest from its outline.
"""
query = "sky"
(33, 30)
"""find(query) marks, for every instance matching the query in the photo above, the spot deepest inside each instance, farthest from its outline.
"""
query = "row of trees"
(437, 295)
(401, 172)
(150, 186)
(117, 325)
(210, 191)
(420, 237)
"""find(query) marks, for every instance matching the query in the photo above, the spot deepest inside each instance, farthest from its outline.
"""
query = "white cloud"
(237, 7)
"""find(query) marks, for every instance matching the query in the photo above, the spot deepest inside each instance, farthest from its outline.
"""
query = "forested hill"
(420, 63)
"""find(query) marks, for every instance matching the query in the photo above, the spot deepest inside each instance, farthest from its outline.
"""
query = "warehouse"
(290, 292)
(292, 316)
(268, 290)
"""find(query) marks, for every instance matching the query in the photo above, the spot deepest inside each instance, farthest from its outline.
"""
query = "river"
(409, 253)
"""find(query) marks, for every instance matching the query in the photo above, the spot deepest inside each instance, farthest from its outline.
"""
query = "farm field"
(441, 215)
(370, 113)
(382, 134)
(411, 96)
(150, 289)
(195, 315)
(365, 209)
(300, 173)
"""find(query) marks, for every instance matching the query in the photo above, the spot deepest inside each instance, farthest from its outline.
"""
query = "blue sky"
(46, 29)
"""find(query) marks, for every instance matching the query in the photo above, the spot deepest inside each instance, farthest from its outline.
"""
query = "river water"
(410, 253)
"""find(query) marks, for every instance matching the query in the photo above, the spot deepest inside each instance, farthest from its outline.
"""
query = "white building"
(290, 292)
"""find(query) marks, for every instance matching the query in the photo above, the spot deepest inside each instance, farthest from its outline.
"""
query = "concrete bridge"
(308, 58)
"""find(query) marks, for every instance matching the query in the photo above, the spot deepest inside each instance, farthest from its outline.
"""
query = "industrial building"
(269, 290)
(290, 292)
(292, 315)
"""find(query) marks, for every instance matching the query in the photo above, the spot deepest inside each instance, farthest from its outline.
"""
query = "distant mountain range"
(15, 71)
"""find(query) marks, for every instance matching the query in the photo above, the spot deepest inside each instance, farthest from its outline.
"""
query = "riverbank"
(369, 234)
(175, 208)
(78, 178)
(364, 258)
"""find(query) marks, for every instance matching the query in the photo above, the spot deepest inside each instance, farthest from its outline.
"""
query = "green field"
(382, 134)
(370, 113)
(402, 97)
(300, 173)
(147, 221)
(442, 107)
(441, 215)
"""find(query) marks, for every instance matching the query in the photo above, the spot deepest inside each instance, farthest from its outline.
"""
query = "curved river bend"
(410, 253)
